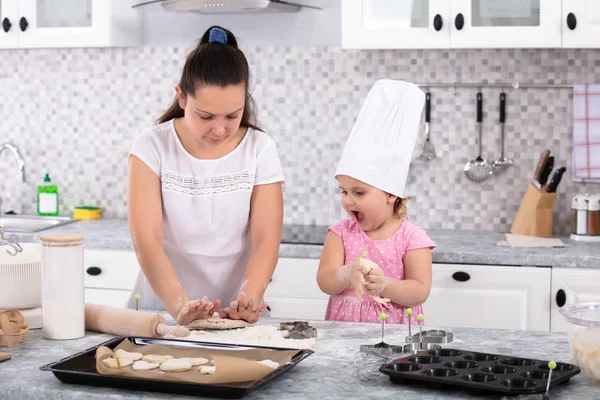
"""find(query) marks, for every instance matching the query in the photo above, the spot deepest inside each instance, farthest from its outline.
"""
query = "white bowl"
(20, 277)
(583, 329)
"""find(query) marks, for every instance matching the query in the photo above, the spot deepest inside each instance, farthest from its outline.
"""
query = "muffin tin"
(477, 372)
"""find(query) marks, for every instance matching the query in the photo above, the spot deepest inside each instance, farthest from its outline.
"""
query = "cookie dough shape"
(130, 356)
(269, 363)
(144, 365)
(216, 322)
(176, 365)
(154, 358)
(207, 369)
(196, 361)
(112, 362)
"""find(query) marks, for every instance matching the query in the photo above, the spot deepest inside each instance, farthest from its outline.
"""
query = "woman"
(205, 201)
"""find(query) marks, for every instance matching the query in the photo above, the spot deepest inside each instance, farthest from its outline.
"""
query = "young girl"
(378, 260)
(205, 203)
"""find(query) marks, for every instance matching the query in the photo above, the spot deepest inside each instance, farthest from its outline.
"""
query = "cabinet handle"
(459, 22)
(561, 298)
(94, 271)
(571, 21)
(23, 24)
(461, 276)
(6, 24)
(269, 308)
(438, 22)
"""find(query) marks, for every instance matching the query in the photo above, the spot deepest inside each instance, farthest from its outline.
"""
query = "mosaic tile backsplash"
(74, 113)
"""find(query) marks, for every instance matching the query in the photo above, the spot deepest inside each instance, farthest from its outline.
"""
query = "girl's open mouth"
(358, 215)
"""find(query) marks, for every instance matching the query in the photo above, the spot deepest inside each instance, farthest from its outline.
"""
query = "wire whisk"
(366, 364)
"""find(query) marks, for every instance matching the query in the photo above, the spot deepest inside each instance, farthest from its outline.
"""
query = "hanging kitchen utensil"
(478, 169)
(428, 153)
(502, 162)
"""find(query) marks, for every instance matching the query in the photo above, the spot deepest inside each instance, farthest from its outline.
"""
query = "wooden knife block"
(534, 217)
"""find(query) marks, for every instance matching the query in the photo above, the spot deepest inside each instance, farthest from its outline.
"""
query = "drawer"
(107, 297)
(297, 309)
(296, 278)
(110, 269)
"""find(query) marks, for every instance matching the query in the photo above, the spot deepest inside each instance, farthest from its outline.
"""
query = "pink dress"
(388, 254)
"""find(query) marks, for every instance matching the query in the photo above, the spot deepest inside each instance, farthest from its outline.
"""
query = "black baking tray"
(80, 369)
(478, 373)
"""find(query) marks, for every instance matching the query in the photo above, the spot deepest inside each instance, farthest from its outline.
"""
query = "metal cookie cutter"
(431, 336)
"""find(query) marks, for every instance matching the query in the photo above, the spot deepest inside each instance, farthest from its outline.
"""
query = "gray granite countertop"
(328, 372)
(453, 246)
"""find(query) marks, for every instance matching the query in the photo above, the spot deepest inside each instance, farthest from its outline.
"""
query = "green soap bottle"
(47, 198)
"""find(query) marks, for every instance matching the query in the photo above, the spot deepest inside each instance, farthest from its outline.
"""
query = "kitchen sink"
(31, 223)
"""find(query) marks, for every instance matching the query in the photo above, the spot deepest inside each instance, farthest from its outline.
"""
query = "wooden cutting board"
(4, 356)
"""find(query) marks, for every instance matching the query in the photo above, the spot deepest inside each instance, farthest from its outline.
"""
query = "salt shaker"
(63, 301)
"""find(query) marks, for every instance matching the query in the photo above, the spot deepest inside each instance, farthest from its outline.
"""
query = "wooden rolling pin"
(129, 322)
(4, 356)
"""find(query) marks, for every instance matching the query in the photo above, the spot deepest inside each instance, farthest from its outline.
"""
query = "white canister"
(579, 221)
(63, 301)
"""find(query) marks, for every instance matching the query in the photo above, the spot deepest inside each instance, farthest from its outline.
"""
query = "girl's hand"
(197, 309)
(246, 308)
(357, 277)
(376, 282)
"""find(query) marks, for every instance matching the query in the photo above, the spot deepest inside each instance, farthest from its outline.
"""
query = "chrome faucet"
(15, 247)
(15, 150)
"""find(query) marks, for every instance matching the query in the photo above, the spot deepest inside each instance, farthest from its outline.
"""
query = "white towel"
(586, 133)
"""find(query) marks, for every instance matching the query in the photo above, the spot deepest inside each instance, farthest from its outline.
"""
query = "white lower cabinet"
(107, 297)
(293, 292)
(487, 296)
(477, 296)
(109, 276)
(569, 286)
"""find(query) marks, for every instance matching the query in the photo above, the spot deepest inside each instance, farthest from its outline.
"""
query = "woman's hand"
(197, 309)
(246, 308)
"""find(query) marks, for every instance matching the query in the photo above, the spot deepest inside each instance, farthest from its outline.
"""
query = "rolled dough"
(216, 322)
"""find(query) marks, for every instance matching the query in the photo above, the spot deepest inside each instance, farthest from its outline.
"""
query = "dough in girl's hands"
(367, 266)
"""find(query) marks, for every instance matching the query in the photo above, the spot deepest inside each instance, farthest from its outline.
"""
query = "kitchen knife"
(540, 168)
(556, 177)
(547, 169)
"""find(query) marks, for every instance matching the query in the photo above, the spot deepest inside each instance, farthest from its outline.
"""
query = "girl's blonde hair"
(400, 207)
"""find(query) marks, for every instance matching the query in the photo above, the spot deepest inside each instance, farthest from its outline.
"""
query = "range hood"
(222, 6)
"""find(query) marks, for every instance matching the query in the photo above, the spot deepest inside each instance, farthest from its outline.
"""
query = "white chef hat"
(380, 146)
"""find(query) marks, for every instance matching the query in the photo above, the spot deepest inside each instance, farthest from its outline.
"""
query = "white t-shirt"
(206, 205)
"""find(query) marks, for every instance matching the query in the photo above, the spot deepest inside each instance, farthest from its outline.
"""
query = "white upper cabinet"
(505, 23)
(581, 23)
(9, 24)
(390, 24)
(70, 23)
(422, 24)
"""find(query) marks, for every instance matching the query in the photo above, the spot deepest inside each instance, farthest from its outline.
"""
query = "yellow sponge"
(87, 212)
